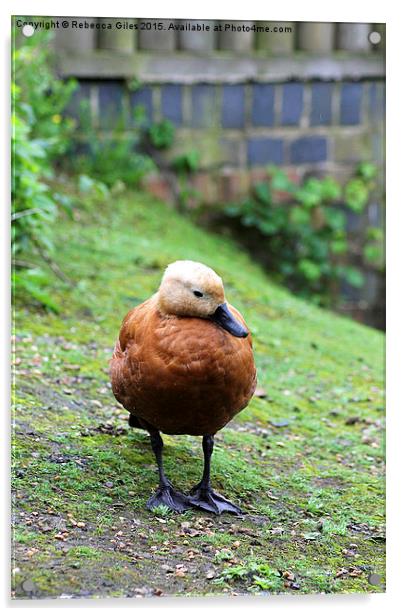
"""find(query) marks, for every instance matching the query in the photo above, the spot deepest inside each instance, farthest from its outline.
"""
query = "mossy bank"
(305, 459)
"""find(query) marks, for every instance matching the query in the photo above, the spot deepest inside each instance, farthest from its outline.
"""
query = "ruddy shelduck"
(183, 364)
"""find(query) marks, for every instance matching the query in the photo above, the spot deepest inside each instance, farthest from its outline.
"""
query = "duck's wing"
(117, 374)
(122, 371)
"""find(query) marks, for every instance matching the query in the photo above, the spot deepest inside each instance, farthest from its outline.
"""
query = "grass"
(306, 462)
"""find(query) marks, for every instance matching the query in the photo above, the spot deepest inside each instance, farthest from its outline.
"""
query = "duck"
(183, 364)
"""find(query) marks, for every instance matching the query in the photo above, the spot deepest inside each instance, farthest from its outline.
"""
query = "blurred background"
(272, 133)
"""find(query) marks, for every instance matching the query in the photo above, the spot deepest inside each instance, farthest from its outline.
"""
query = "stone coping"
(217, 67)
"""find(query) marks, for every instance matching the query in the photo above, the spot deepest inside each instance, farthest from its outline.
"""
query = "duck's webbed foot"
(168, 496)
(202, 495)
(205, 498)
(165, 494)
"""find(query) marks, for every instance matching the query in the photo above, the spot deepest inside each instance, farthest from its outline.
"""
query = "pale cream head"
(190, 289)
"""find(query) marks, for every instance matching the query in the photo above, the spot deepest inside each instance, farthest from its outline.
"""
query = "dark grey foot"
(168, 496)
(207, 499)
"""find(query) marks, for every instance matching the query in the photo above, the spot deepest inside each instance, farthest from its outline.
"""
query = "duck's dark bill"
(223, 317)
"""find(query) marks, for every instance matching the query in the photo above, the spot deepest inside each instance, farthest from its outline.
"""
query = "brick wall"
(239, 129)
(311, 101)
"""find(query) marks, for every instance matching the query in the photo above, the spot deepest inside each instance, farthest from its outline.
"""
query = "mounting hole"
(28, 30)
(374, 579)
(28, 586)
(375, 38)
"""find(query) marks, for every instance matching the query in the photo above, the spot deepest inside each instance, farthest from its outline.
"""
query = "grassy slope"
(306, 462)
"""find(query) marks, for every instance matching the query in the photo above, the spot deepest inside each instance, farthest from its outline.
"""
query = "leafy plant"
(162, 511)
(373, 250)
(33, 281)
(302, 236)
(161, 134)
(41, 97)
(185, 166)
(261, 576)
(40, 134)
(188, 162)
(115, 156)
(33, 207)
(223, 555)
(267, 578)
(89, 186)
(315, 504)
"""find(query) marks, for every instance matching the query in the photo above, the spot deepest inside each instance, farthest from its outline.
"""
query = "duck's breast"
(182, 375)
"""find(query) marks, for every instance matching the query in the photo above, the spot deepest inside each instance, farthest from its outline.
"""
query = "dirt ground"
(305, 460)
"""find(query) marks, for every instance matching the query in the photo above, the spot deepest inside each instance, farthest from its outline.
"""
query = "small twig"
(18, 263)
(23, 213)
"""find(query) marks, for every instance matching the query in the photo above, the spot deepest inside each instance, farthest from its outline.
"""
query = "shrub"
(161, 134)
(114, 156)
(302, 240)
(39, 136)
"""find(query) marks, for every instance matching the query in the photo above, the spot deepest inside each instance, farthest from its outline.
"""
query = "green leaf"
(373, 253)
(330, 189)
(334, 218)
(354, 276)
(367, 170)
(268, 227)
(232, 209)
(308, 198)
(339, 247)
(248, 220)
(299, 216)
(280, 181)
(162, 134)
(139, 115)
(188, 162)
(33, 281)
(263, 193)
(356, 194)
(375, 233)
(309, 269)
(85, 183)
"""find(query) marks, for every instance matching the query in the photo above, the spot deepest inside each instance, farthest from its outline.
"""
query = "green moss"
(83, 551)
(305, 462)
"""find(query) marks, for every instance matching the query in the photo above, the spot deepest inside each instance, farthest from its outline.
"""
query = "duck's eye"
(198, 294)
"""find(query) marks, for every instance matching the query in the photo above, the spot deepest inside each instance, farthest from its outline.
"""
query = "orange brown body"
(181, 374)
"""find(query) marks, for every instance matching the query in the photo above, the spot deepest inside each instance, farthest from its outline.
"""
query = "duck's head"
(191, 289)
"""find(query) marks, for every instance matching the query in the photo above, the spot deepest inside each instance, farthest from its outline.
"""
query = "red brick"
(293, 174)
(258, 175)
(204, 183)
(233, 185)
(159, 187)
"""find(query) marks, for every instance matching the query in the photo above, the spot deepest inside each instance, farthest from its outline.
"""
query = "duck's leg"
(165, 494)
(202, 495)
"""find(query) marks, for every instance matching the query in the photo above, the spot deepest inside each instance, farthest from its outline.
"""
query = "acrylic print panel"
(252, 154)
